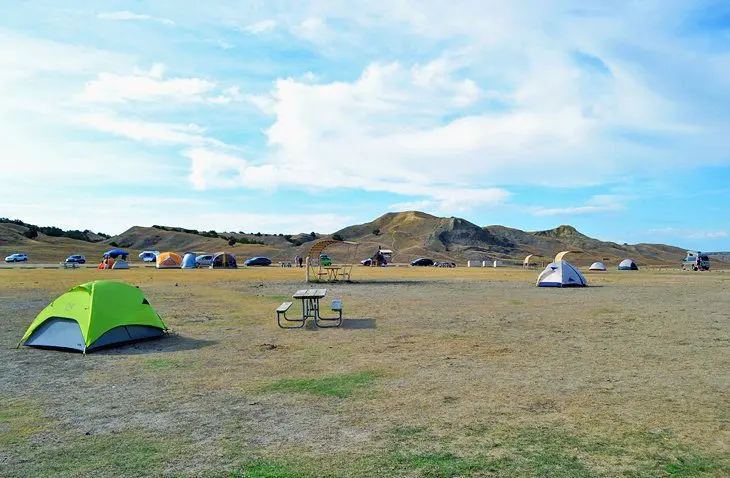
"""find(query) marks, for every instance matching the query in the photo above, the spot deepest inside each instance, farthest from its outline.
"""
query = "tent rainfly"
(94, 315)
(168, 260)
(188, 261)
(561, 274)
(597, 266)
(224, 260)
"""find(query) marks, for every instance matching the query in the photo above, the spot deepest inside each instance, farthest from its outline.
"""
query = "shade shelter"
(224, 260)
(561, 255)
(116, 254)
(628, 265)
(111, 257)
(320, 268)
(168, 260)
(527, 263)
(93, 315)
(561, 274)
(597, 267)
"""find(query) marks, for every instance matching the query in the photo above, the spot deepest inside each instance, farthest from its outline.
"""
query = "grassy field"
(435, 372)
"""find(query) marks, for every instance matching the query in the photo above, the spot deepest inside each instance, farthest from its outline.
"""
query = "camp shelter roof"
(322, 244)
(597, 266)
(560, 255)
(114, 253)
(530, 256)
(98, 308)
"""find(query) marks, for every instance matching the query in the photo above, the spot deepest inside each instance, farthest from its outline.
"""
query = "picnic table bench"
(310, 309)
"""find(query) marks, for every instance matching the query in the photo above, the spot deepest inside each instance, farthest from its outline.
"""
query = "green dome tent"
(93, 315)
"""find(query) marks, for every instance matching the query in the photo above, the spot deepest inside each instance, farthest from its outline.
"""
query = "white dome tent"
(561, 274)
(597, 267)
(628, 265)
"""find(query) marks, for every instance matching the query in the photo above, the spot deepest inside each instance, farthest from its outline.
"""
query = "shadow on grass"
(349, 324)
(169, 343)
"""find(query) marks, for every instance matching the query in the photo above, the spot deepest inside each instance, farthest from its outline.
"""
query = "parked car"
(149, 256)
(17, 257)
(696, 261)
(444, 264)
(258, 261)
(422, 262)
(205, 260)
(76, 259)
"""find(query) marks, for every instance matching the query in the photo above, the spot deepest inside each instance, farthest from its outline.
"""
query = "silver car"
(205, 260)
(17, 257)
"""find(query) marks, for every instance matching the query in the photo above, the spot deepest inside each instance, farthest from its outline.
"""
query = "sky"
(288, 116)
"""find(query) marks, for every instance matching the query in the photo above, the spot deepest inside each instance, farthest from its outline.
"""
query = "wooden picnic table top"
(309, 294)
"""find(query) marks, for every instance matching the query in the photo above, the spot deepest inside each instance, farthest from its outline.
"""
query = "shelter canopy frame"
(317, 272)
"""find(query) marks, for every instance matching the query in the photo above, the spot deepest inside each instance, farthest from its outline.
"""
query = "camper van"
(696, 261)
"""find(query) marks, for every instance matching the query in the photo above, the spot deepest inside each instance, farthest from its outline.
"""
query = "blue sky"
(283, 116)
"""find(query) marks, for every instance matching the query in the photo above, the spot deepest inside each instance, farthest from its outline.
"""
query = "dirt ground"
(435, 372)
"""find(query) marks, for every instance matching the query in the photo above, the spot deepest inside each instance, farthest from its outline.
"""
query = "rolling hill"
(409, 234)
(412, 234)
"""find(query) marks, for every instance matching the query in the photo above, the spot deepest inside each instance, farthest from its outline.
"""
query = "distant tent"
(628, 265)
(168, 260)
(597, 266)
(561, 274)
(120, 264)
(188, 261)
(224, 260)
(93, 315)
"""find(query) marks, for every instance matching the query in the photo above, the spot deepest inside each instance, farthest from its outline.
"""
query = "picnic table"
(310, 309)
(332, 272)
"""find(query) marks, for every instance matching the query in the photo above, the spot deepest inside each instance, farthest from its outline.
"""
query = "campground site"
(436, 372)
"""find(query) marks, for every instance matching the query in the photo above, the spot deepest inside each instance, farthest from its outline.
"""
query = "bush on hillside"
(52, 231)
(337, 237)
(31, 233)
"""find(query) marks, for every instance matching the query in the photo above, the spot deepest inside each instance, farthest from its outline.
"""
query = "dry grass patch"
(462, 372)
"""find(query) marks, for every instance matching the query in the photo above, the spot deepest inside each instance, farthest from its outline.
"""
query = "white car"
(17, 257)
(205, 260)
(149, 256)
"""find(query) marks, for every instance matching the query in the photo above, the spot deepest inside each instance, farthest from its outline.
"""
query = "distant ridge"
(410, 234)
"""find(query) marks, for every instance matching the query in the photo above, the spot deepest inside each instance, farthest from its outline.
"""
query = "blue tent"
(114, 253)
(188, 261)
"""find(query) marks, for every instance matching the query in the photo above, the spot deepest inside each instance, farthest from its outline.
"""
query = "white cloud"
(597, 204)
(146, 86)
(689, 233)
(260, 27)
(144, 210)
(126, 15)
(148, 132)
